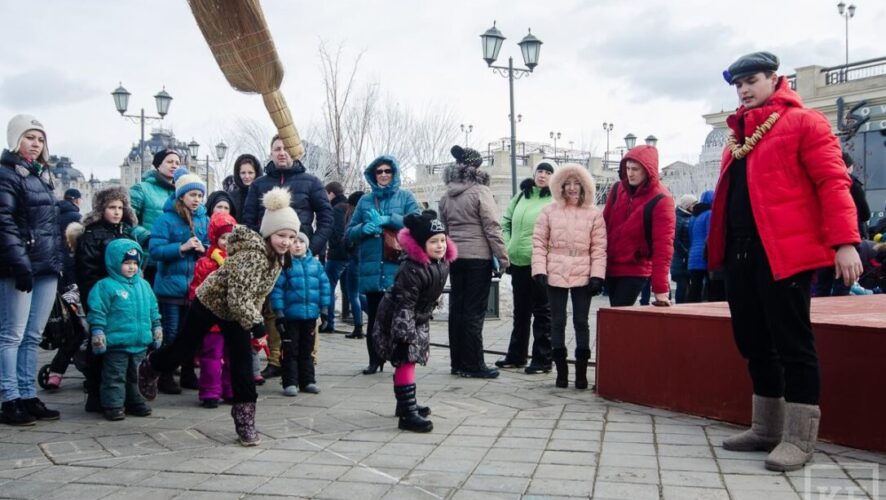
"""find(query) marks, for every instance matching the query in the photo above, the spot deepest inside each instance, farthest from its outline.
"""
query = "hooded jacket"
(148, 198)
(97, 233)
(628, 253)
(518, 222)
(301, 291)
(797, 183)
(402, 327)
(215, 256)
(240, 190)
(468, 209)
(308, 199)
(29, 237)
(376, 274)
(337, 247)
(569, 241)
(68, 212)
(174, 269)
(215, 197)
(682, 242)
(237, 290)
(698, 229)
(125, 309)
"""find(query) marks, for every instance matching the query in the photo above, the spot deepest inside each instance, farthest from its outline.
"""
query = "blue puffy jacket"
(174, 270)
(376, 274)
(302, 291)
(125, 309)
(698, 231)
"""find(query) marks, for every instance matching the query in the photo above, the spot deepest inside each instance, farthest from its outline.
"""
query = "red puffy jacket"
(219, 224)
(627, 251)
(798, 186)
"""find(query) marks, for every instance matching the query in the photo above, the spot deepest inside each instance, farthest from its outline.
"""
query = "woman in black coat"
(246, 170)
(30, 265)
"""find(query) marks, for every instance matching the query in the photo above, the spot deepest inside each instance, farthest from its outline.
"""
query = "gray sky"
(649, 66)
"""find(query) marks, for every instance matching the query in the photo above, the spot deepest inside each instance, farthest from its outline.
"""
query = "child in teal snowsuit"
(124, 320)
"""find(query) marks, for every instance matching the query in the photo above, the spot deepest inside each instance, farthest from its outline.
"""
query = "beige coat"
(569, 242)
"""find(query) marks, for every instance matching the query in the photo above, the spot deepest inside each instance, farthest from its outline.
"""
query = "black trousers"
(373, 300)
(530, 299)
(581, 307)
(698, 285)
(295, 353)
(624, 290)
(771, 324)
(198, 321)
(470, 281)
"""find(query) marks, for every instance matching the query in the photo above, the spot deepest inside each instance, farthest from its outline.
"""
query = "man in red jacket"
(640, 220)
(785, 211)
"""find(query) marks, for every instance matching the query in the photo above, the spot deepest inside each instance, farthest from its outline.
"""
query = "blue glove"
(374, 216)
(371, 228)
(157, 334)
(99, 342)
(384, 220)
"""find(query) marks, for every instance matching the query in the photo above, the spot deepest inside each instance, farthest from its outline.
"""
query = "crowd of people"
(171, 277)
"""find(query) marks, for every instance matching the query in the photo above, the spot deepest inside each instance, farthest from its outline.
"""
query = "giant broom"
(239, 39)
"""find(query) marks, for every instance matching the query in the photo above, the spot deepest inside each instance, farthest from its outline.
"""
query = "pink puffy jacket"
(569, 242)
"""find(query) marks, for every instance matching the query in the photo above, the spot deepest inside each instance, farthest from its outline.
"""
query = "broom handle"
(276, 106)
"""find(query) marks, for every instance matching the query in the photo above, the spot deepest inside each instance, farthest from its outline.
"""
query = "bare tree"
(434, 133)
(339, 85)
(358, 123)
(391, 130)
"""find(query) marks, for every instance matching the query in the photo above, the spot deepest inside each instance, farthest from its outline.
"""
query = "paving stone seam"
(660, 484)
(600, 449)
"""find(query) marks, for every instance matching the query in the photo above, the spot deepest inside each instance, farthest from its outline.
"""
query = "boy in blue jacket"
(124, 320)
(301, 292)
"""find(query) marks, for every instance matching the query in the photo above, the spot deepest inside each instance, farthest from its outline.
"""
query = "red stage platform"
(683, 358)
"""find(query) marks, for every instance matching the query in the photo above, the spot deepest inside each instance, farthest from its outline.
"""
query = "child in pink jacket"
(569, 257)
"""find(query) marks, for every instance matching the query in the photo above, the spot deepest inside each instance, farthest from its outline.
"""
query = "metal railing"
(855, 71)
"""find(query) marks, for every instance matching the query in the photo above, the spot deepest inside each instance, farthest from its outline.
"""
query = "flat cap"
(749, 64)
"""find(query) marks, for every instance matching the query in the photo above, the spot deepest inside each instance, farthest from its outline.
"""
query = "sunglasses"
(384, 171)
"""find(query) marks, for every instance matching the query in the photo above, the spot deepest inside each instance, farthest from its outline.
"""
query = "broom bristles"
(239, 39)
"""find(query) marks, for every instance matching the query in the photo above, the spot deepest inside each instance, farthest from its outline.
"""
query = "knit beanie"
(18, 125)
(686, 201)
(278, 214)
(546, 166)
(131, 254)
(466, 156)
(423, 226)
(304, 238)
(186, 181)
(159, 156)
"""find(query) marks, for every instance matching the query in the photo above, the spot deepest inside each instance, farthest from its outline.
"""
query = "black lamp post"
(555, 136)
(847, 13)
(607, 127)
(220, 150)
(530, 47)
(121, 102)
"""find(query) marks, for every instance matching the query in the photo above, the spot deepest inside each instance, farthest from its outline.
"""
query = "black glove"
(281, 326)
(541, 279)
(595, 286)
(258, 330)
(24, 283)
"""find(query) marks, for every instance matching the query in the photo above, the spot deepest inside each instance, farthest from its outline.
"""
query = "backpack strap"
(647, 219)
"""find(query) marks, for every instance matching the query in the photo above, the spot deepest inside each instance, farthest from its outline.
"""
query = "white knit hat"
(185, 181)
(278, 214)
(18, 125)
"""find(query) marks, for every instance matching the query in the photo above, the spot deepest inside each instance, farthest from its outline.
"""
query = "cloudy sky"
(649, 66)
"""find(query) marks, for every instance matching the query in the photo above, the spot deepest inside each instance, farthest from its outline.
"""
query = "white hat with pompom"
(278, 214)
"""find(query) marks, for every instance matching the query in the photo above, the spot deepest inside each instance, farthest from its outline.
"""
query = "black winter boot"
(14, 413)
(424, 411)
(39, 410)
(559, 357)
(410, 420)
(244, 423)
(356, 334)
(188, 379)
(581, 368)
(167, 384)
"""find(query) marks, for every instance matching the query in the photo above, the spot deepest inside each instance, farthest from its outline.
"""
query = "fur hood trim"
(73, 233)
(584, 177)
(465, 174)
(418, 254)
(103, 198)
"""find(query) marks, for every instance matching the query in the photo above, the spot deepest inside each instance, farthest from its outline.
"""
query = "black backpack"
(647, 214)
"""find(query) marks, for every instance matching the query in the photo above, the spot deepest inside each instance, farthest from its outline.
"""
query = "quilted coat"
(569, 241)
(698, 230)
(518, 222)
(174, 270)
(148, 198)
(302, 291)
(219, 224)
(797, 183)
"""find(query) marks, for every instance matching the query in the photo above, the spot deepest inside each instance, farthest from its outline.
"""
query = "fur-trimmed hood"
(563, 173)
(103, 198)
(460, 177)
(418, 254)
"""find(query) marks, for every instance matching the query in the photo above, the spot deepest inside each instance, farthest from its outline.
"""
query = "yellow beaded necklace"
(739, 152)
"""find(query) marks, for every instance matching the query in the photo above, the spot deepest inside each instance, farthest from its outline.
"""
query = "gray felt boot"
(800, 434)
(767, 421)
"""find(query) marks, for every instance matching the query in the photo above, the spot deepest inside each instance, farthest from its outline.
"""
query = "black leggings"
(373, 300)
(198, 321)
(624, 290)
(581, 306)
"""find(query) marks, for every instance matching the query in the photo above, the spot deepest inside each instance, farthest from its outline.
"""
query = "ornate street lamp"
(121, 102)
(630, 141)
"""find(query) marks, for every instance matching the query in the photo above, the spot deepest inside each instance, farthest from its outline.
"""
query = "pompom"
(180, 171)
(276, 199)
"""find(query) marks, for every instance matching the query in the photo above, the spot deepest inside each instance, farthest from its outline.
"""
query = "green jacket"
(125, 309)
(519, 221)
(148, 198)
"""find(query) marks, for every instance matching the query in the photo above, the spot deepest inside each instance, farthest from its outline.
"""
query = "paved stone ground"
(506, 438)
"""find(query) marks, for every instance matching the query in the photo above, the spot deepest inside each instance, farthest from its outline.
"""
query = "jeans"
(623, 290)
(119, 385)
(581, 307)
(295, 359)
(172, 319)
(682, 288)
(699, 285)
(351, 279)
(771, 324)
(470, 281)
(22, 319)
(530, 299)
(334, 270)
(645, 294)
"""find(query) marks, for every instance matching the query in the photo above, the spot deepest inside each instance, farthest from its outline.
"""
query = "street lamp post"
(608, 128)
(631, 141)
(220, 150)
(121, 102)
(555, 136)
(530, 46)
(847, 13)
(467, 131)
